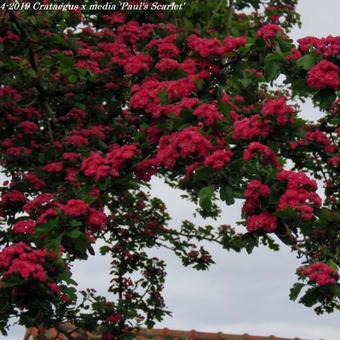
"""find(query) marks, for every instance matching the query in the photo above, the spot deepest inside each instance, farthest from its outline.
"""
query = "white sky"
(241, 293)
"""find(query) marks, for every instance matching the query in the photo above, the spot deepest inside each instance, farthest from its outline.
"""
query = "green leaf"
(205, 197)
(272, 70)
(104, 250)
(66, 63)
(295, 291)
(332, 264)
(72, 78)
(227, 195)
(311, 297)
(306, 62)
(74, 234)
(163, 96)
(246, 81)
(325, 98)
(202, 173)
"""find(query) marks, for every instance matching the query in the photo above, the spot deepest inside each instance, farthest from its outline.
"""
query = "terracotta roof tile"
(155, 334)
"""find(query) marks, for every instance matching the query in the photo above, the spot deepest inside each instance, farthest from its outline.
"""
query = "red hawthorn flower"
(295, 54)
(40, 201)
(53, 167)
(307, 42)
(323, 75)
(254, 126)
(55, 288)
(35, 182)
(43, 218)
(206, 47)
(320, 273)
(146, 169)
(300, 194)
(168, 50)
(13, 196)
(250, 206)
(264, 221)
(97, 220)
(75, 208)
(334, 161)
(71, 156)
(268, 155)
(255, 189)
(28, 127)
(297, 180)
(77, 141)
(278, 108)
(95, 165)
(320, 137)
(209, 113)
(218, 159)
(300, 201)
(269, 31)
(137, 63)
(24, 260)
(180, 145)
(167, 64)
(18, 151)
(232, 43)
(24, 227)
(97, 131)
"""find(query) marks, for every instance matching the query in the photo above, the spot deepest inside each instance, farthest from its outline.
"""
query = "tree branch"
(230, 16)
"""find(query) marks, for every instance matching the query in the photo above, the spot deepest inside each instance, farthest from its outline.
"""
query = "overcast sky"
(241, 293)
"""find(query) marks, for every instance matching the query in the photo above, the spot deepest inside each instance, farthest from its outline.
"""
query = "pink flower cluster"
(320, 138)
(182, 144)
(21, 259)
(53, 167)
(300, 193)
(209, 113)
(279, 109)
(39, 203)
(207, 47)
(263, 221)
(35, 182)
(320, 273)
(137, 63)
(24, 227)
(95, 219)
(146, 96)
(329, 46)
(218, 159)
(325, 74)
(249, 128)
(13, 197)
(269, 31)
(267, 155)
(75, 208)
(334, 161)
(255, 189)
(28, 127)
(100, 167)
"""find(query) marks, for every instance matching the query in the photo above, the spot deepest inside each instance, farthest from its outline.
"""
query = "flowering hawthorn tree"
(95, 103)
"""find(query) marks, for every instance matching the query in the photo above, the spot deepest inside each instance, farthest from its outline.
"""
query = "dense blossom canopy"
(95, 103)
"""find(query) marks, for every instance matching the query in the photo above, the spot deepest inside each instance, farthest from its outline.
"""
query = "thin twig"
(294, 240)
(214, 14)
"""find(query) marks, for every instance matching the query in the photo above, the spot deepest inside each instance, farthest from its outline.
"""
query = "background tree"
(94, 103)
